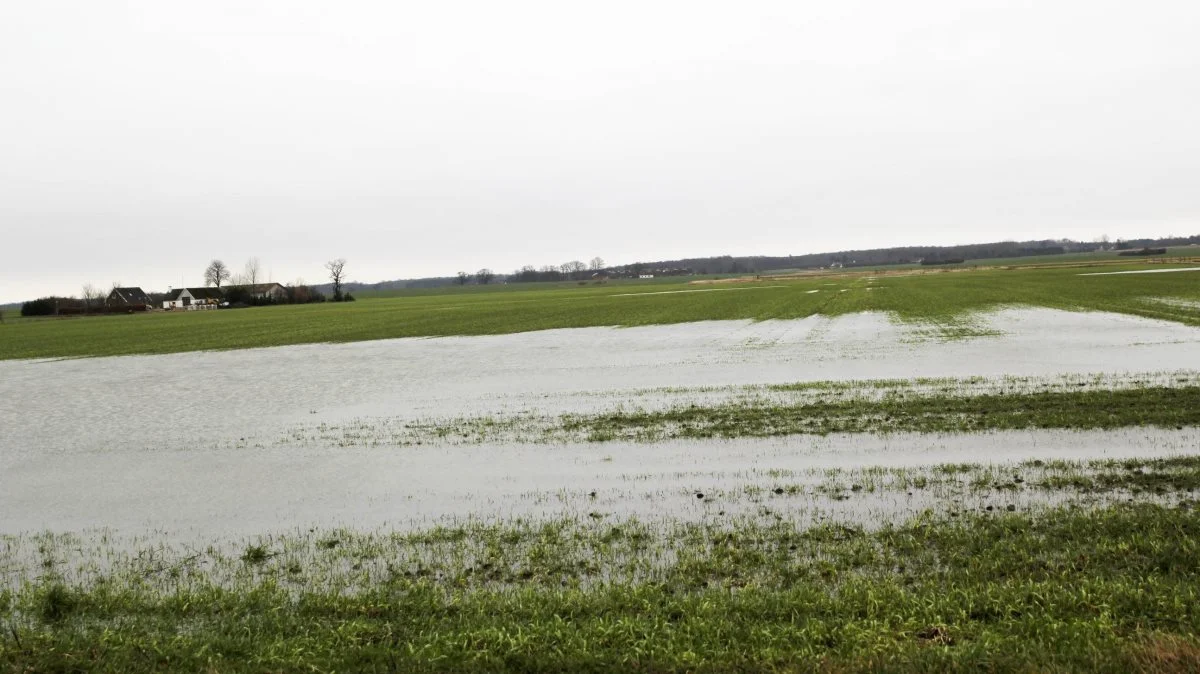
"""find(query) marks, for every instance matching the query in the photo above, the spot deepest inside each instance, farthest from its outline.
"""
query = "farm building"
(193, 298)
(257, 291)
(127, 298)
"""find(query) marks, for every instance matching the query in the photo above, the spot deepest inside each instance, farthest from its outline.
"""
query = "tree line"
(217, 272)
(727, 264)
(575, 270)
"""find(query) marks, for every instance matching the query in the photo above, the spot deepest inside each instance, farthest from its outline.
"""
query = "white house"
(193, 298)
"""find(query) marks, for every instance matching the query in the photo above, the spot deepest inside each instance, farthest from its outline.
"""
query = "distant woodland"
(755, 264)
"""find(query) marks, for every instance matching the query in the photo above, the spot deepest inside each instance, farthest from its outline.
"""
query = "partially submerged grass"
(862, 498)
(1087, 585)
(932, 406)
(1064, 589)
(1162, 407)
(1161, 475)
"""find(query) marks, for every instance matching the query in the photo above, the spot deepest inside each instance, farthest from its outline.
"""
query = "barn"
(133, 299)
(260, 292)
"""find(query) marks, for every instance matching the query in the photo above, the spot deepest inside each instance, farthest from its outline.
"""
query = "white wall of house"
(178, 301)
(190, 303)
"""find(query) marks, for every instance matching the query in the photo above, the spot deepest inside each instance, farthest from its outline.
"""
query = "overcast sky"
(140, 139)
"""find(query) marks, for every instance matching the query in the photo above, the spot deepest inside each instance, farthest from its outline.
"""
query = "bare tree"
(91, 296)
(216, 273)
(597, 263)
(573, 269)
(337, 273)
(252, 271)
(462, 278)
(484, 276)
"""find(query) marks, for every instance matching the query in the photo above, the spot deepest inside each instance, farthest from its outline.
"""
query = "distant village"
(131, 299)
(217, 294)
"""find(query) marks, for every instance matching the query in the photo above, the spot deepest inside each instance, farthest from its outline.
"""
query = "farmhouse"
(127, 298)
(193, 298)
(256, 291)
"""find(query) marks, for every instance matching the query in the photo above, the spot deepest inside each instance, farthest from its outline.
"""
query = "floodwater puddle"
(1141, 271)
(245, 491)
(191, 442)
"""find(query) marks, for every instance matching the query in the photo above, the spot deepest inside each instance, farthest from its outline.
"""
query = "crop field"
(946, 300)
(990, 470)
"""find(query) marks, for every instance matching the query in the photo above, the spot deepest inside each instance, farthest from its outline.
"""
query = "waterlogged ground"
(203, 494)
(1013, 491)
(405, 433)
(657, 507)
(176, 401)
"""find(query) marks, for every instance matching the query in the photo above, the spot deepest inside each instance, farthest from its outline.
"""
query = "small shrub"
(256, 554)
(56, 603)
(238, 295)
(302, 294)
(39, 307)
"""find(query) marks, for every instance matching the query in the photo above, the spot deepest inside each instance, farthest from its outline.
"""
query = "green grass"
(1107, 590)
(1162, 407)
(836, 408)
(1088, 585)
(942, 300)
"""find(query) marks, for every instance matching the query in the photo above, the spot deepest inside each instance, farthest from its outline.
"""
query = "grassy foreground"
(1108, 590)
(944, 300)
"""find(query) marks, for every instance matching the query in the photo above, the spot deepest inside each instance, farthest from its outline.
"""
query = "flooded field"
(175, 401)
(257, 440)
(727, 488)
(715, 488)
(201, 494)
